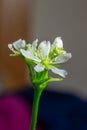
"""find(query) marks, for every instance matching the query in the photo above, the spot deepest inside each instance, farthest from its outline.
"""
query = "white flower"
(58, 42)
(17, 45)
(44, 55)
(43, 59)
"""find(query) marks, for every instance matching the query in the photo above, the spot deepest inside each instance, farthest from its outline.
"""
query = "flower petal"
(10, 47)
(61, 58)
(39, 68)
(28, 55)
(16, 53)
(19, 44)
(44, 48)
(34, 44)
(58, 42)
(60, 72)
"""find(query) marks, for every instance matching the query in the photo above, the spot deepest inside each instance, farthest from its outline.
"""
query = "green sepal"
(41, 79)
(51, 79)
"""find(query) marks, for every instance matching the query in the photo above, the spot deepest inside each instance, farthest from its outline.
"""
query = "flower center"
(45, 63)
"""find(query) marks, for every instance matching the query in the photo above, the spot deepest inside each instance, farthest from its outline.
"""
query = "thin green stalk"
(37, 94)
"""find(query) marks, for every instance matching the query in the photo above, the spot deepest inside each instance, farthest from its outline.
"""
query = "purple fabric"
(15, 113)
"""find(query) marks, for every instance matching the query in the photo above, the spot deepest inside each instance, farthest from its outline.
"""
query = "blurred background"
(44, 19)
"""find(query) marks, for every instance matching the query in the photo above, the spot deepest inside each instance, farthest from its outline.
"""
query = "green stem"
(37, 94)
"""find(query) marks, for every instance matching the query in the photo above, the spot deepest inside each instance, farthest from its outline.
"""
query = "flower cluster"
(44, 55)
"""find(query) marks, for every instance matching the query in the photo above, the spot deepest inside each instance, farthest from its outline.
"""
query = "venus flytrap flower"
(40, 58)
(47, 56)
(16, 46)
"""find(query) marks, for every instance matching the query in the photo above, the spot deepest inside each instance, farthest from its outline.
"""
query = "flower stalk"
(36, 100)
